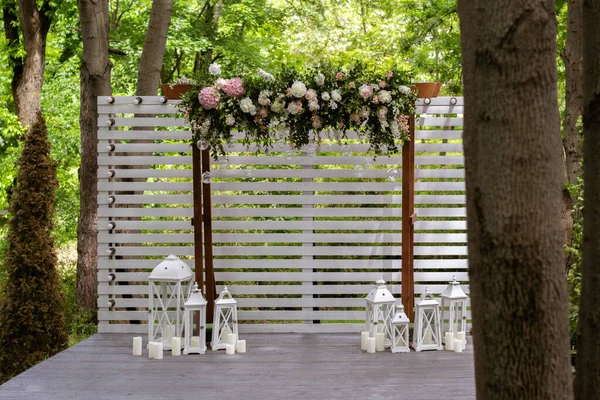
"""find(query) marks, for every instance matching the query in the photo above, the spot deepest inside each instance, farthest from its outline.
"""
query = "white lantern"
(380, 311)
(400, 328)
(225, 320)
(454, 306)
(427, 331)
(169, 285)
(195, 323)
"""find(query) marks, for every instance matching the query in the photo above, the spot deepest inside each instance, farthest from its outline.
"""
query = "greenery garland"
(297, 106)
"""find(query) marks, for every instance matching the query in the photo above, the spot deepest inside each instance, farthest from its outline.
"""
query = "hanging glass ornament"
(206, 179)
(393, 174)
(359, 171)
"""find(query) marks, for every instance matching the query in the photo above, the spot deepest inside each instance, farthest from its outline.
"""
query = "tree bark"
(587, 374)
(154, 48)
(512, 147)
(573, 59)
(35, 24)
(10, 20)
(95, 81)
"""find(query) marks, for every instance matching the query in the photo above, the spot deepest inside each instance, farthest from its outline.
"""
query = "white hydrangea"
(298, 89)
(278, 106)
(333, 105)
(404, 89)
(294, 108)
(265, 75)
(247, 106)
(336, 96)
(229, 120)
(325, 96)
(263, 98)
(214, 69)
(320, 79)
(313, 105)
(384, 96)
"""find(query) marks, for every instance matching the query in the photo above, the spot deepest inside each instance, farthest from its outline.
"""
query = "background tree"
(587, 376)
(32, 326)
(95, 81)
(512, 160)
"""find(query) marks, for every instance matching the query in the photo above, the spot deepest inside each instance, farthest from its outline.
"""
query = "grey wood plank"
(276, 366)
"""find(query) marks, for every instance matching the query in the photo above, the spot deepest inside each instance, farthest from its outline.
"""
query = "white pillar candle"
(461, 335)
(363, 340)
(229, 349)
(195, 341)
(449, 341)
(371, 345)
(151, 350)
(169, 334)
(380, 341)
(137, 346)
(232, 339)
(458, 345)
(158, 351)
(176, 346)
(427, 338)
(241, 346)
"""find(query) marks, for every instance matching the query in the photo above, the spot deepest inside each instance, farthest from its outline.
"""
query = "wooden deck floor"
(276, 366)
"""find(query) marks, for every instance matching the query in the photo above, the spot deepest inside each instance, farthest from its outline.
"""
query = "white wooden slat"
(144, 160)
(119, 134)
(426, 134)
(249, 328)
(438, 121)
(258, 173)
(126, 100)
(144, 173)
(143, 108)
(146, 212)
(143, 122)
(441, 101)
(439, 160)
(448, 264)
(279, 302)
(306, 160)
(439, 147)
(245, 315)
(103, 198)
(432, 173)
(146, 148)
(445, 109)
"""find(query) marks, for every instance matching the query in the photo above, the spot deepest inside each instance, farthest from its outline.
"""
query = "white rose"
(333, 105)
(313, 105)
(320, 79)
(246, 105)
(278, 106)
(294, 108)
(229, 120)
(384, 96)
(325, 96)
(336, 96)
(298, 89)
(404, 89)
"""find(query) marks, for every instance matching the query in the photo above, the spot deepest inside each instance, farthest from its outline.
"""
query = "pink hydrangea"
(339, 76)
(389, 74)
(219, 83)
(233, 87)
(311, 95)
(352, 85)
(382, 84)
(365, 91)
(375, 99)
(209, 98)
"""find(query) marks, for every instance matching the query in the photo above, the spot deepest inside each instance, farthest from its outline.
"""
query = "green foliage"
(32, 325)
(575, 253)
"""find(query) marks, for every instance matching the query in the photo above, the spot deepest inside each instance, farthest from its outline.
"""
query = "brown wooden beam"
(408, 221)
(211, 285)
(197, 222)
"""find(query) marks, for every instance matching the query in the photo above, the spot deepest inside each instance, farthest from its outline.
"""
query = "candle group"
(455, 342)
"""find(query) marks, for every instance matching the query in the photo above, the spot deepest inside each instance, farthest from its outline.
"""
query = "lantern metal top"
(222, 300)
(380, 294)
(427, 299)
(171, 269)
(400, 317)
(453, 291)
(196, 299)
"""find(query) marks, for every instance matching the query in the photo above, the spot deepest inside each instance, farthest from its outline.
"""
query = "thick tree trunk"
(95, 81)
(28, 92)
(512, 148)
(587, 374)
(154, 48)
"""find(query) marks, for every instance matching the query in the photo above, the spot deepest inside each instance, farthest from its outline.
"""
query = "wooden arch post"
(203, 252)
(408, 221)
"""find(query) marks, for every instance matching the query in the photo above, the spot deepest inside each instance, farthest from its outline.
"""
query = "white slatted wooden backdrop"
(299, 240)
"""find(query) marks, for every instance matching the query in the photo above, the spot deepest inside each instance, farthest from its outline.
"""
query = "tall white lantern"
(454, 308)
(380, 311)
(195, 323)
(169, 286)
(400, 328)
(225, 320)
(427, 334)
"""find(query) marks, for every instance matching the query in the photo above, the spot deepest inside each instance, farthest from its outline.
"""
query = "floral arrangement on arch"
(296, 107)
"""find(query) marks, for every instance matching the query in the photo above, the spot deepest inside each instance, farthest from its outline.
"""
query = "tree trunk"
(95, 81)
(512, 148)
(587, 374)
(572, 58)
(28, 92)
(154, 48)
